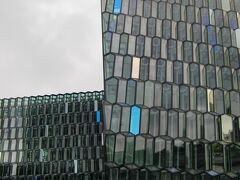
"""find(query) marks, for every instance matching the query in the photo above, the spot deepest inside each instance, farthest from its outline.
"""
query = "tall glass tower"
(172, 89)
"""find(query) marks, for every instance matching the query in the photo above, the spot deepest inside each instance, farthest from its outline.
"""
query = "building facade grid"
(177, 63)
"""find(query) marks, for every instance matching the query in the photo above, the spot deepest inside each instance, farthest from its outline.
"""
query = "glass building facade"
(172, 89)
(55, 137)
(170, 109)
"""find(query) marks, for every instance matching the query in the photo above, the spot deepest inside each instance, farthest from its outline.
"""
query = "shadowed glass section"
(117, 6)
(135, 120)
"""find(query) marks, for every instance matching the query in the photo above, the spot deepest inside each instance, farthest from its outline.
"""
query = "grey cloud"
(49, 46)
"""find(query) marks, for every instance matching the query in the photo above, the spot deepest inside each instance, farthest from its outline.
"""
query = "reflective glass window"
(112, 23)
(218, 101)
(196, 33)
(119, 150)
(210, 76)
(127, 66)
(132, 7)
(218, 157)
(212, 39)
(199, 155)
(144, 66)
(204, 16)
(147, 8)
(120, 23)
(161, 10)
(226, 78)
(191, 123)
(131, 92)
(237, 5)
(184, 97)
(139, 151)
(136, 25)
(234, 158)
(178, 72)
(190, 14)
(179, 154)
(154, 122)
(161, 70)
(218, 55)
(172, 49)
(110, 141)
(129, 150)
(140, 46)
(187, 51)
(235, 103)
(109, 7)
(123, 44)
(181, 30)
(172, 124)
(111, 90)
(107, 42)
(117, 6)
(232, 18)
(226, 128)
(209, 127)
(203, 53)
(233, 57)
(149, 94)
(166, 29)
(135, 120)
(218, 14)
(156, 45)
(201, 99)
(194, 74)
(151, 27)
(159, 153)
(176, 9)
(226, 37)
(167, 96)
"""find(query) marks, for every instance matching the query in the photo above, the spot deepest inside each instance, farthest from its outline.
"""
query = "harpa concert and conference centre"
(170, 109)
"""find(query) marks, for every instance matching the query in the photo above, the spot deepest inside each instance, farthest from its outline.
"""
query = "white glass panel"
(226, 5)
(238, 37)
(135, 67)
(210, 100)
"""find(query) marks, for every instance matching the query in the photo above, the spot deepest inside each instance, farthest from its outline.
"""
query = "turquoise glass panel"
(135, 120)
(98, 117)
(117, 6)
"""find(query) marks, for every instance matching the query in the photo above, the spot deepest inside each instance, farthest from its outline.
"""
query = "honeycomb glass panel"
(117, 6)
(135, 120)
(135, 67)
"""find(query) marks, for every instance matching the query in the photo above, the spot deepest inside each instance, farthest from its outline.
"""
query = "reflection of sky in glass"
(98, 116)
(226, 124)
(212, 173)
(117, 6)
(135, 120)
(211, 35)
(205, 19)
(238, 37)
(216, 49)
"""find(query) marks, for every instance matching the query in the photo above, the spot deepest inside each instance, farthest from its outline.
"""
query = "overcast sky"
(49, 46)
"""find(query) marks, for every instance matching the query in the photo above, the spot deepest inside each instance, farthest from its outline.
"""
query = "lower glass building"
(52, 137)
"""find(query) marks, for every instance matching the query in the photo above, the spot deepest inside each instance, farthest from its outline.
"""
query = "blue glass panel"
(117, 6)
(135, 120)
(98, 118)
